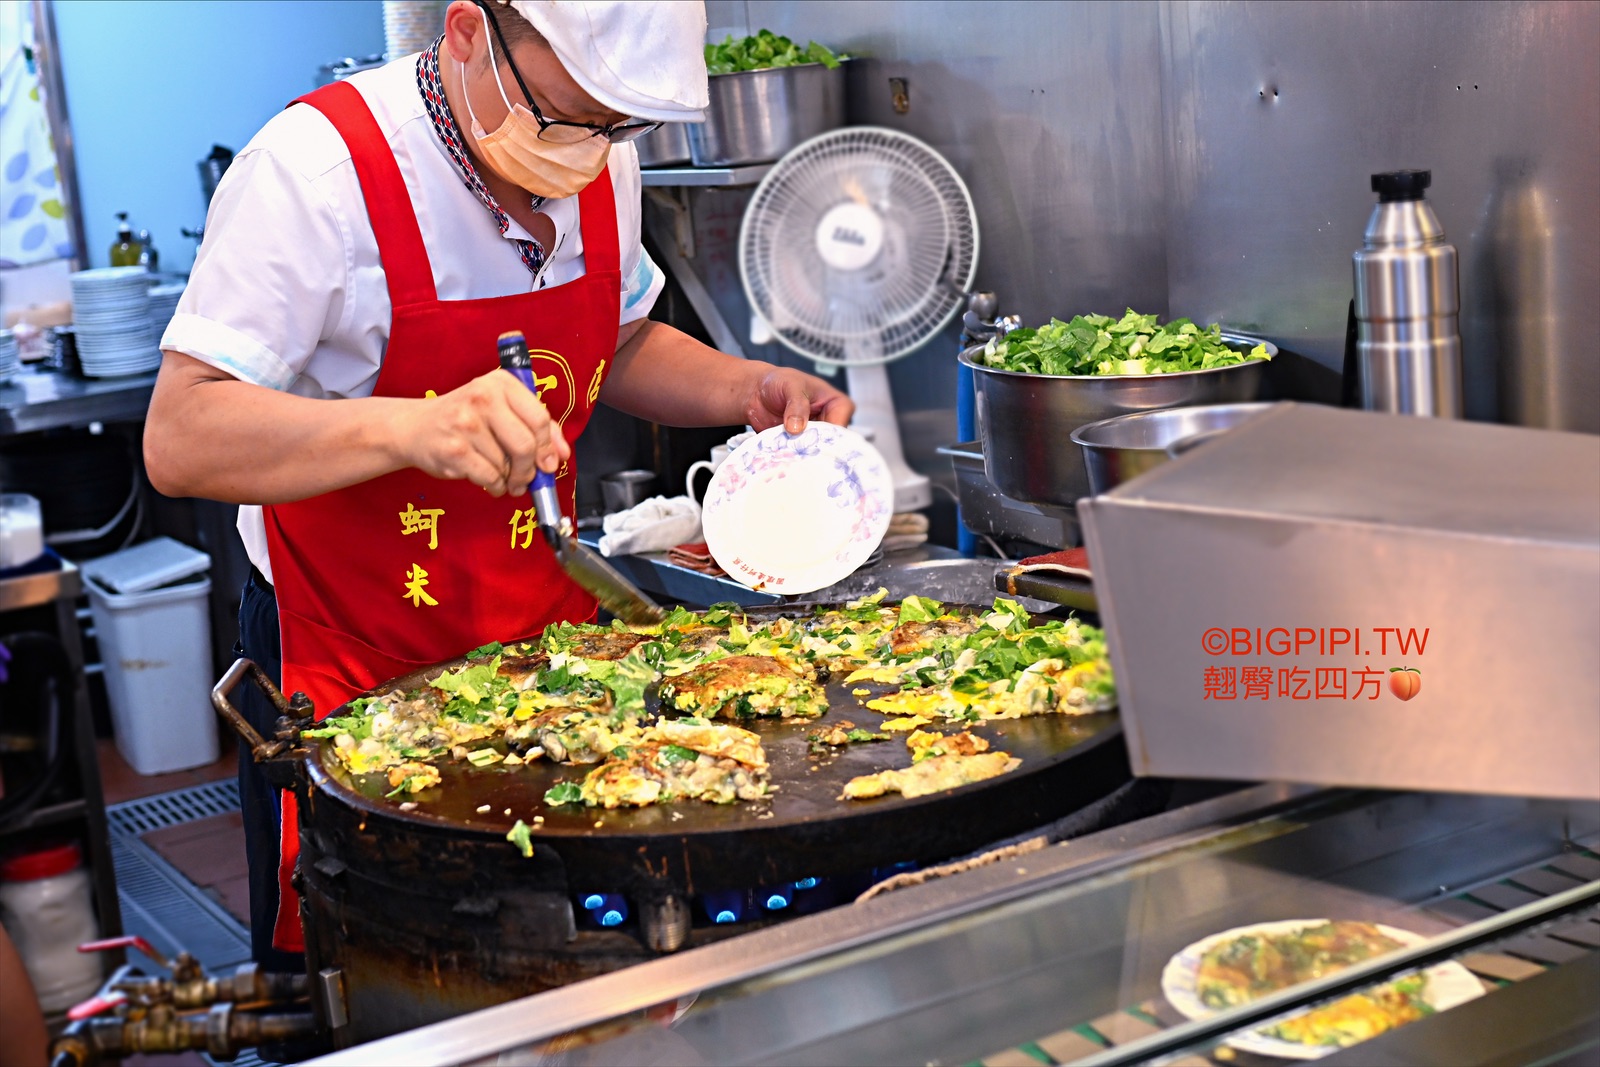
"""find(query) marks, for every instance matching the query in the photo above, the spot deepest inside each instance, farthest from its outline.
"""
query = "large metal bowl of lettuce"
(1035, 386)
(767, 95)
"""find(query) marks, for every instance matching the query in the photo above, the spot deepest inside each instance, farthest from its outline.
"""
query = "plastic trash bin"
(151, 622)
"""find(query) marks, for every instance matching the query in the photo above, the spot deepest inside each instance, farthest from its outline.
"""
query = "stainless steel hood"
(1263, 593)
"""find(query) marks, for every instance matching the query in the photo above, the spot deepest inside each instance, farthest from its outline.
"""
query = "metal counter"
(43, 400)
(1061, 950)
(926, 570)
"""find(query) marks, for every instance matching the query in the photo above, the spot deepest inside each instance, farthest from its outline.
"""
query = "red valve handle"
(95, 1006)
(129, 941)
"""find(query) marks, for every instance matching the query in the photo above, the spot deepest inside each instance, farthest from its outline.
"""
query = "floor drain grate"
(158, 902)
(164, 907)
(135, 817)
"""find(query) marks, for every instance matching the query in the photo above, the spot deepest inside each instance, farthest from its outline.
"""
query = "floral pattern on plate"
(792, 514)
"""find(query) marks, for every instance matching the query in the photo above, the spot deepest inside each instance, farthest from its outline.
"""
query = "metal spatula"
(583, 564)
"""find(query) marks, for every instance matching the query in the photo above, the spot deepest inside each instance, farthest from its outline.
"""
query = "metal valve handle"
(96, 1005)
(111, 944)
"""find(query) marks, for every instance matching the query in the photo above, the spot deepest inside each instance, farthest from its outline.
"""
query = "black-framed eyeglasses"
(562, 131)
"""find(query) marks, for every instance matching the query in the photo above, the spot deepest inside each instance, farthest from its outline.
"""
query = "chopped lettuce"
(919, 609)
(627, 678)
(472, 684)
(765, 49)
(1007, 615)
(1099, 345)
(357, 722)
(866, 609)
(721, 612)
(521, 835)
(357, 726)
(679, 618)
(563, 793)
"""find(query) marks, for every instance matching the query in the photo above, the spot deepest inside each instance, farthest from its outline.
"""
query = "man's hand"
(791, 397)
(492, 431)
(666, 376)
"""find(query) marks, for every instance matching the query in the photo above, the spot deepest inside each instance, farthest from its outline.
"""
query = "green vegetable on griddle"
(563, 793)
(521, 835)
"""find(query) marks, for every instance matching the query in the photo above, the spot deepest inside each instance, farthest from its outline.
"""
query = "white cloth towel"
(653, 525)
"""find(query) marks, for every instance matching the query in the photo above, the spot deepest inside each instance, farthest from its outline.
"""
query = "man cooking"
(332, 366)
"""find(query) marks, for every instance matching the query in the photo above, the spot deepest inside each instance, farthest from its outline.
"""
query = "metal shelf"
(749, 174)
(31, 590)
(47, 400)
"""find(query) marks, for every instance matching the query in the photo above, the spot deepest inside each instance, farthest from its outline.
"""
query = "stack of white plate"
(111, 314)
(163, 305)
(10, 364)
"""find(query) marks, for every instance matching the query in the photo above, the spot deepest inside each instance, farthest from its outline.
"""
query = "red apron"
(381, 578)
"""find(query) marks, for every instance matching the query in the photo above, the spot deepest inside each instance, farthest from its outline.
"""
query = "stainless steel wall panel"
(1277, 113)
(1050, 111)
(1211, 159)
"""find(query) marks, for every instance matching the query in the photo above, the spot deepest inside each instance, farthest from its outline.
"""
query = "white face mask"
(517, 153)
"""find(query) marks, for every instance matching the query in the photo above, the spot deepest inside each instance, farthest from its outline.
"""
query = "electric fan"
(856, 249)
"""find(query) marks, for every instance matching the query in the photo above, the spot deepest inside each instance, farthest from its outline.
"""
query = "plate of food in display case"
(1238, 966)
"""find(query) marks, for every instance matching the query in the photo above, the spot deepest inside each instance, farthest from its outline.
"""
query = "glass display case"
(1080, 951)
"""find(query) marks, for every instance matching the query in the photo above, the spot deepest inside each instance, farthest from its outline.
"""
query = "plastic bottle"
(21, 530)
(45, 905)
(126, 249)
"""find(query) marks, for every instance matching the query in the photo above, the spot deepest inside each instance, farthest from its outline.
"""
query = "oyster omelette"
(577, 697)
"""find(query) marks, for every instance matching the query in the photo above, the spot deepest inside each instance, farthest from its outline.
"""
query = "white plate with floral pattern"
(793, 514)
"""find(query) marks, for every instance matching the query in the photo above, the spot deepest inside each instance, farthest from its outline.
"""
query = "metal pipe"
(47, 53)
(223, 1031)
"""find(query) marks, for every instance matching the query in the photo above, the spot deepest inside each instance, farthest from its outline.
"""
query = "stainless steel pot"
(755, 116)
(667, 146)
(1117, 450)
(1027, 420)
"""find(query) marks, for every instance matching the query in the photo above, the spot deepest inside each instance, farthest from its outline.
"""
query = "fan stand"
(869, 388)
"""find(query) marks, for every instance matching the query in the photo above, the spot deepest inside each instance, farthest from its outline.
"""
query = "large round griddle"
(803, 829)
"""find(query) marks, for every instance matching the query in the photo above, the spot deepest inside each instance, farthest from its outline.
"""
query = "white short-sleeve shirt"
(288, 290)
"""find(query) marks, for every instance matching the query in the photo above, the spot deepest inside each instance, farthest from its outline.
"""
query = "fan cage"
(874, 315)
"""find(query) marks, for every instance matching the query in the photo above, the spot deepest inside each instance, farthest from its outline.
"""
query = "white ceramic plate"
(1449, 984)
(795, 514)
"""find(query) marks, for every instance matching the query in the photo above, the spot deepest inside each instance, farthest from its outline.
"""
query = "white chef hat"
(645, 59)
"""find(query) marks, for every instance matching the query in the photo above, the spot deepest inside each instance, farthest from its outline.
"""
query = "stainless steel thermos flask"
(1408, 304)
